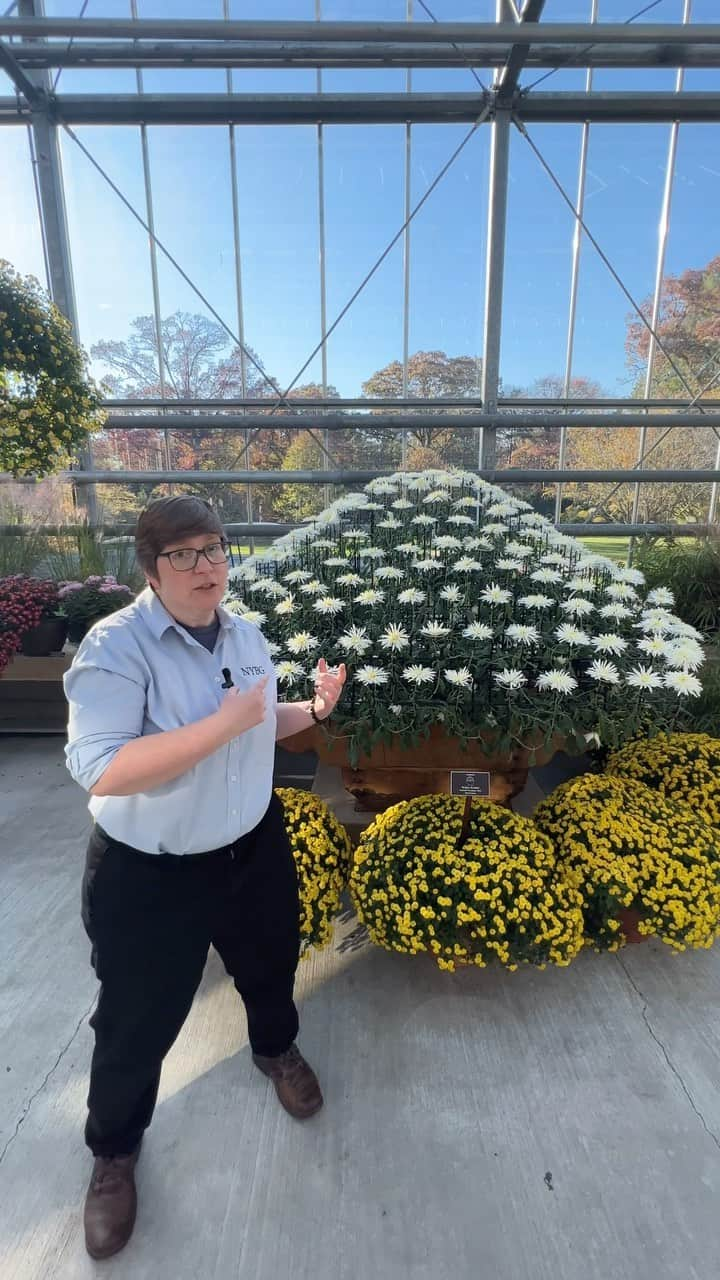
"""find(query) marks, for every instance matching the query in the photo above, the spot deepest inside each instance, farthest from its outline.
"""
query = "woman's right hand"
(243, 709)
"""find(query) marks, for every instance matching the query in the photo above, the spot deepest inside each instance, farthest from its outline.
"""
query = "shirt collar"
(160, 621)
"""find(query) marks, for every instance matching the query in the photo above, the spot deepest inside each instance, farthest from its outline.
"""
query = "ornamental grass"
(625, 846)
(321, 849)
(681, 766)
(492, 892)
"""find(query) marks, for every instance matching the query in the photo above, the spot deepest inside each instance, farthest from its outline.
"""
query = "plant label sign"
(469, 782)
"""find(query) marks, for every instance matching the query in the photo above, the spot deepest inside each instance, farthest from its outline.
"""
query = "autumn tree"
(432, 375)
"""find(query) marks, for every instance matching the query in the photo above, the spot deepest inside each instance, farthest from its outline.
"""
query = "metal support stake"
(497, 220)
(322, 264)
(406, 259)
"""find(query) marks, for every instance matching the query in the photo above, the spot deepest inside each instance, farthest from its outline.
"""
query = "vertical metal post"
(406, 257)
(150, 216)
(663, 229)
(715, 491)
(322, 264)
(239, 286)
(575, 277)
(53, 222)
(497, 221)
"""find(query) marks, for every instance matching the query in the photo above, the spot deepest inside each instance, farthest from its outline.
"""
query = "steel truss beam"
(264, 530)
(667, 35)
(177, 53)
(308, 419)
(369, 108)
(439, 404)
(505, 476)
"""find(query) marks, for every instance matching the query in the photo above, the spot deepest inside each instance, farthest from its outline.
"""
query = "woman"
(173, 722)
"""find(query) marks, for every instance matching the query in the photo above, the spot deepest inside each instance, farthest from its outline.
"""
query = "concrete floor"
(556, 1126)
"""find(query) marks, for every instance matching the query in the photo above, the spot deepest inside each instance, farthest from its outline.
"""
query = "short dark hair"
(168, 520)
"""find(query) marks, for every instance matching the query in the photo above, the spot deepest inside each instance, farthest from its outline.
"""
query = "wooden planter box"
(32, 699)
(393, 772)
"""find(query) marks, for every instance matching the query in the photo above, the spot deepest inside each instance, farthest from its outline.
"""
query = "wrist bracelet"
(313, 714)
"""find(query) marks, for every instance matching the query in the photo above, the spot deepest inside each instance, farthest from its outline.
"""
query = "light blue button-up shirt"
(140, 672)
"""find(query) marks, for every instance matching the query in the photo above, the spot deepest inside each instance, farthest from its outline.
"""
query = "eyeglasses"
(186, 558)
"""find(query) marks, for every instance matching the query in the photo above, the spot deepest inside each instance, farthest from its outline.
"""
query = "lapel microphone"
(228, 682)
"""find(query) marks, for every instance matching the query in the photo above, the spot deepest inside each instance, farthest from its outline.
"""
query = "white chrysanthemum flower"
(370, 597)
(273, 648)
(419, 675)
(388, 573)
(411, 596)
(503, 509)
(409, 549)
(424, 521)
(493, 594)
(474, 543)
(237, 607)
(510, 678)
(436, 497)
(426, 566)
(395, 708)
(302, 642)
(323, 544)
(288, 672)
(285, 607)
(435, 630)
(536, 601)
(568, 634)
(329, 605)
(554, 557)
(349, 580)
(685, 654)
(519, 633)
(577, 607)
(616, 611)
(390, 523)
(465, 503)
(495, 530)
(371, 506)
(466, 564)
(603, 672)
(660, 595)
(371, 675)
(624, 574)
(683, 683)
(510, 566)
(355, 640)
(402, 504)
(656, 646)
(532, 517)
(609, 642)
(395, 638)
(557, 681)
(313, 588)
(297, 575)
(478, 631)
(355, 535)
(453, 595)
(381, 486)
(460, 520)
(656, 620)
(252, 615)
(336, 562)
(519, 550)
(372, 553)
(546, 575)
(446, 542)
(268, 587)
(621, 591)
(461, 677)
(644, 678)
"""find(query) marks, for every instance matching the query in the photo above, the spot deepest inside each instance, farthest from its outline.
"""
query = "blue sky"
(364, 175)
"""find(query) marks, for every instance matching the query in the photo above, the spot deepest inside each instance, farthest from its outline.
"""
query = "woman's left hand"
(328, 688)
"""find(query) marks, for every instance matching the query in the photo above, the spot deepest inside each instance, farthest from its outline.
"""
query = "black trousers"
(151, 920)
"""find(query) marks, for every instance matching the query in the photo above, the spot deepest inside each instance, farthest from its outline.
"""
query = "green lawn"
(614, 548)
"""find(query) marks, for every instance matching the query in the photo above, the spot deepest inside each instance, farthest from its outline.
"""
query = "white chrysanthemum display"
(453, 603)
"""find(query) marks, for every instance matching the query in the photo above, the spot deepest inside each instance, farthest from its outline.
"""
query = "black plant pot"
(47, 637)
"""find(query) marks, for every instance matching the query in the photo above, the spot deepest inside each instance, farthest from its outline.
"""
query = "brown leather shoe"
(295, 1082)
(110, 1205)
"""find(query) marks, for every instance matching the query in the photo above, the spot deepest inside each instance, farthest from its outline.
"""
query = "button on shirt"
(140, 672)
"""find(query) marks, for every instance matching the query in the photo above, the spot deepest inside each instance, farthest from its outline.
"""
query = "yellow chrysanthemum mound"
(682, 766)
(321, 848)
(496, 897)
(625, 846)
